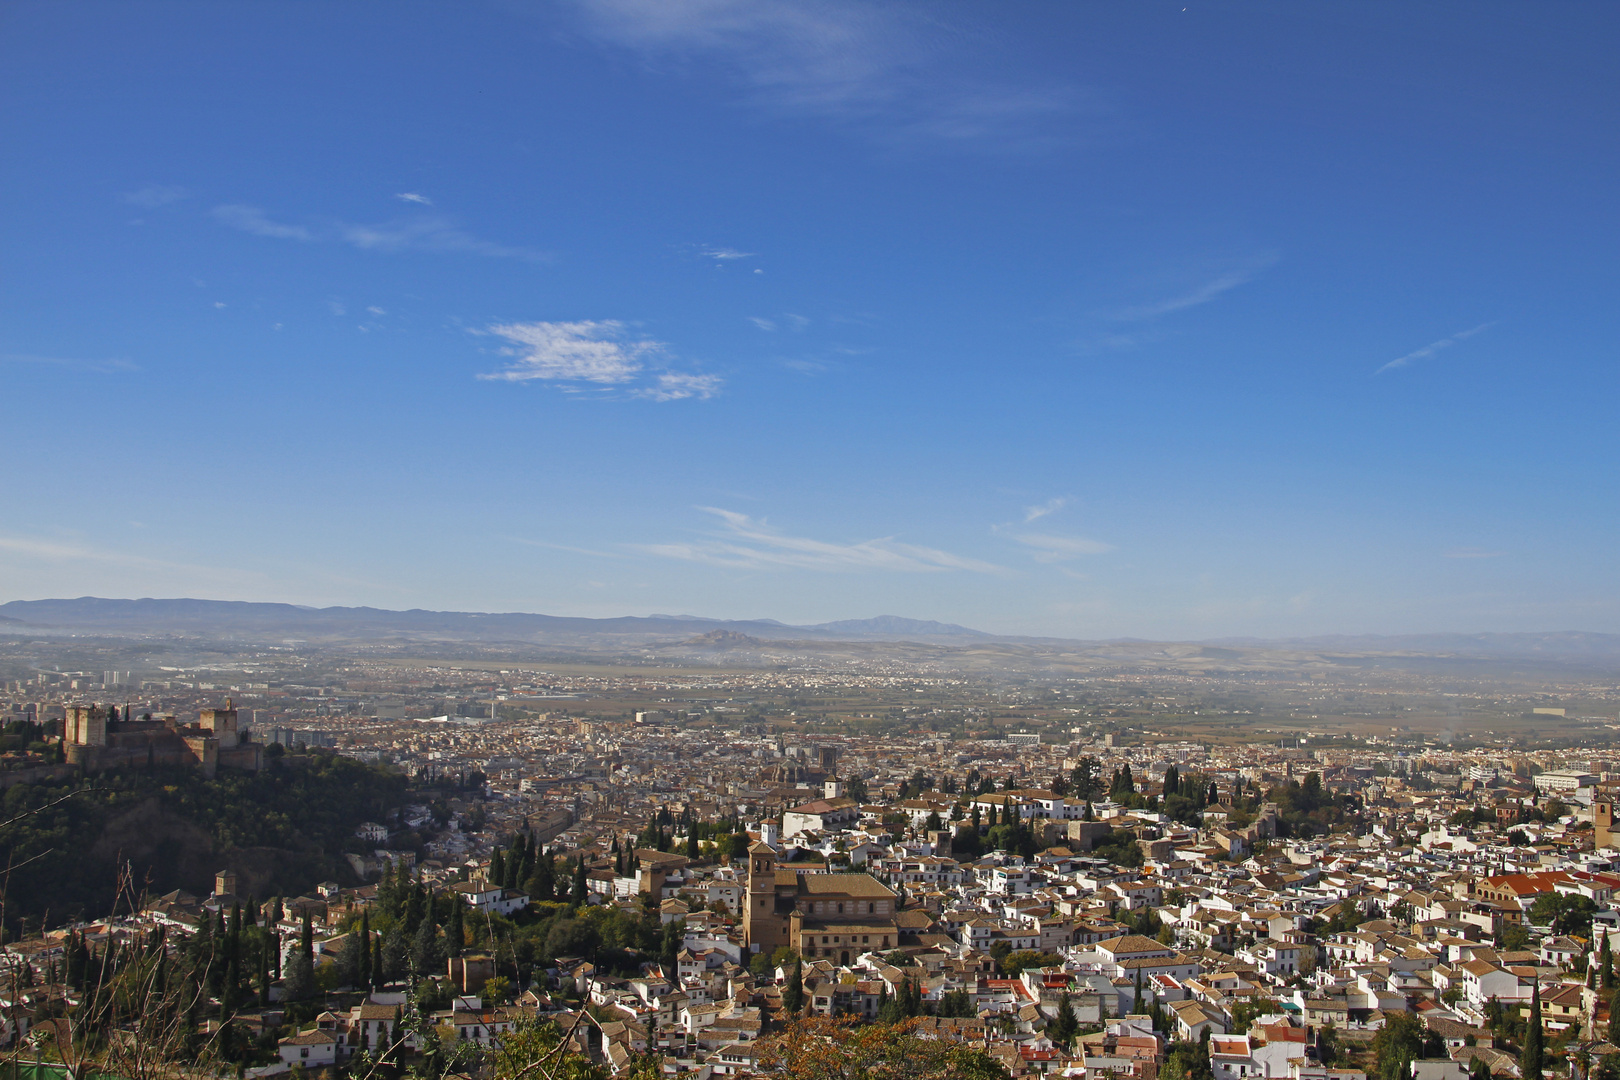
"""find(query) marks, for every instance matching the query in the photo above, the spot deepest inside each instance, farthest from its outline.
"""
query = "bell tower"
(762, 928)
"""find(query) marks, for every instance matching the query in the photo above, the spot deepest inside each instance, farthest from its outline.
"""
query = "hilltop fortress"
(97, 743)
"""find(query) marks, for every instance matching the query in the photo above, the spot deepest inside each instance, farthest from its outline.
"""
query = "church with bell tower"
(821, 916)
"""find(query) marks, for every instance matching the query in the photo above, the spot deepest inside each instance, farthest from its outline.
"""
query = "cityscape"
(809, 540)
(1076, 875)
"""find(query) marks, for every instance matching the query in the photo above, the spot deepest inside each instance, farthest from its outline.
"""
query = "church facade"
(833, 916)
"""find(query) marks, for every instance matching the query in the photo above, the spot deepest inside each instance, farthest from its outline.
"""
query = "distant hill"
(228, 620)
(242, 619)
(1566, 644)
(888, 626)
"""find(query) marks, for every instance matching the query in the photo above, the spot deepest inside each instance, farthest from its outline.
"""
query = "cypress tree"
(427, 952)
(306, 942)
(580, 886)
(1065, 1025)
(454, 932)
(365, 950)
(545, 877)
(793, 996)
(1531, 1058)
(262, 969)
(497, 868)
(413, 909)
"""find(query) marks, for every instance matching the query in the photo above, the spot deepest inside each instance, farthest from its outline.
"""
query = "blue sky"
(1171, 320)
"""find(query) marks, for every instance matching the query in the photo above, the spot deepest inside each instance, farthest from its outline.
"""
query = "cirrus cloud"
(746, 543)
(595, 354)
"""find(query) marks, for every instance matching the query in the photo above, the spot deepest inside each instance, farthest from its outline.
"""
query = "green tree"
(427, 951)
(1513, 937)
(793, 995)
(299, 980)
(1065, 1025)
(396, 954)
(1565, 914)
(1398, 1043)
(1188, 1061)
(1532, 1057)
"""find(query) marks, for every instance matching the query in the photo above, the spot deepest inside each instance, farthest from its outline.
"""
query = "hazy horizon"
(1165, 321)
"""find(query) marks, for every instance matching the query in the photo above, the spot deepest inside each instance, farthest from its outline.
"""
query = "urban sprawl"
(1076, 875)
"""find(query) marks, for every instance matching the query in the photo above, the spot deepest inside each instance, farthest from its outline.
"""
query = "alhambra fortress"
(96, 742)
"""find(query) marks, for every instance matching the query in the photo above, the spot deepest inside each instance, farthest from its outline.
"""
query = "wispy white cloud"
(101, 367)
(1051, 548)
(725, 254)
(414, 197)
(675, 385)
(1433, 348)
(595, 355)
(250, 219)
(748, 543)
(78, 552)
(796, 323)
(154, 195)
(407, 234)
(586, 351)
(431, 234)
(1050, 506)
(899, 73)
(1211, 288)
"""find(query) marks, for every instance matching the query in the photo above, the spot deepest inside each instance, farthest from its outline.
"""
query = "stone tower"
(85, 725)
(1603, 830)
(762, 928)
(222, 722)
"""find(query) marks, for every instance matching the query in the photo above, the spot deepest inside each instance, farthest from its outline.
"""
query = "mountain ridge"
(258, 620)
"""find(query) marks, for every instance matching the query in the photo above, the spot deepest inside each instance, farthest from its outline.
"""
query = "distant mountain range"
(242, 619)
(228, 620)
